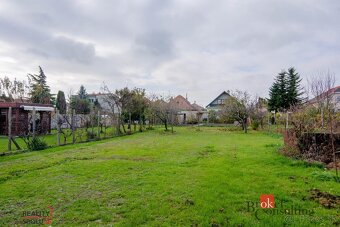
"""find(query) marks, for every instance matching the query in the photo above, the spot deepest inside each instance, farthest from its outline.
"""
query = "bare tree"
(259, 112)
(239, 107)
(321, 86)
(161, 108)
(114, 105)
(14, 90)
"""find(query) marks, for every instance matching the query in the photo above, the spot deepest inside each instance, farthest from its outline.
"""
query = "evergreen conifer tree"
(40, 91)
(293, 87)
(61, 102)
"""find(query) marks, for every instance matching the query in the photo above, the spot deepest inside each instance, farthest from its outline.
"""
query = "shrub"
(90, 135)
(192, 120)
(255, 125)
(290, 151)
(36, 144)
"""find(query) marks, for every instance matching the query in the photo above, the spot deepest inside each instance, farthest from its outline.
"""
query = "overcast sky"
(196, 47)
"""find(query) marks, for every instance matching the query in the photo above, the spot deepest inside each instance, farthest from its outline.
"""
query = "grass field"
(205, 177)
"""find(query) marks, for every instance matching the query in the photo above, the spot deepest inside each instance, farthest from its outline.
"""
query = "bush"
(192, 120)
(36, 144)
(255, 125)
(90, 135)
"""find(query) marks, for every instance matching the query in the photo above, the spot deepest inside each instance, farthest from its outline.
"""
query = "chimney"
(186, 96)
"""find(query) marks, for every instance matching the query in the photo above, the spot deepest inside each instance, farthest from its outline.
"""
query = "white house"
(334, 96)
(187, 112)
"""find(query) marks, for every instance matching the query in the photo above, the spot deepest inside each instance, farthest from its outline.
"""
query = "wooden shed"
(22, 118)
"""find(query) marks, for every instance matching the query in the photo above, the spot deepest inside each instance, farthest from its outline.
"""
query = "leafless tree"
(161, 107)
(14, 89)
(239, 107)
(321, 87)
(259, 110)
(115, 106)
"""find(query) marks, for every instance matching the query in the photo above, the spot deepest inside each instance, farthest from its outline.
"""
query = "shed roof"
(21, 104)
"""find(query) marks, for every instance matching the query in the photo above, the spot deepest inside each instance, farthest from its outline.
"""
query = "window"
(220, 101)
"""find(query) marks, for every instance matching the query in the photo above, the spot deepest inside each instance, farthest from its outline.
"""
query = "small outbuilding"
(25, 117)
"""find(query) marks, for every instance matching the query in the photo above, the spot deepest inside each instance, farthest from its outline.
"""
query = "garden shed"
(25, 117)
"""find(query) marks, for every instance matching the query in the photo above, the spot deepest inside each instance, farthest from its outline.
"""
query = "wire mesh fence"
(71, 128)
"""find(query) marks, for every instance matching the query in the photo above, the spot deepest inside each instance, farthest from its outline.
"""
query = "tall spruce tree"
(294, 92)
(61, 102)
(82, 94)
(285, 91)
(274, 97)
(283, 87)
(40, 91)
(278, 93)
(80, 103)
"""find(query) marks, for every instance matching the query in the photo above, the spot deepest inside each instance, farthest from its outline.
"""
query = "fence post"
(58, 127)
(130, 121)
(72, 126)
(34, 121)
(98, 124)
(172, 123)
(9, 128)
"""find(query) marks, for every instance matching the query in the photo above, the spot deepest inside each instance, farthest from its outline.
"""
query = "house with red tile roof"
(187, 112)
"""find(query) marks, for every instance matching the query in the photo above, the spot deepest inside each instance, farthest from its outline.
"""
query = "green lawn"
(191, 178)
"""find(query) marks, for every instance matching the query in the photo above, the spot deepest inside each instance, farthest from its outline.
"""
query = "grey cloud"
(66, 49)
(197, 47)
(157, 44)
(18, 33)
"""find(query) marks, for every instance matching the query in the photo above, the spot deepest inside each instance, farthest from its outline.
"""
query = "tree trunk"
(123, 125)
(166, 125)
(118, 128)
(129, 126)
(140, 123)
(245, 125)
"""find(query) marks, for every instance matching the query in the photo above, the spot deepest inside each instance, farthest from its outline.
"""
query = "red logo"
(267, 201)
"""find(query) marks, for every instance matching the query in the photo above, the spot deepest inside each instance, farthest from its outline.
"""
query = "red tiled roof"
(180, 103)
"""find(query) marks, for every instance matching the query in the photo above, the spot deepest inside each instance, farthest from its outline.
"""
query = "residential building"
(101, 99)
(187, 112)
(332, 94)
(218, 102)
